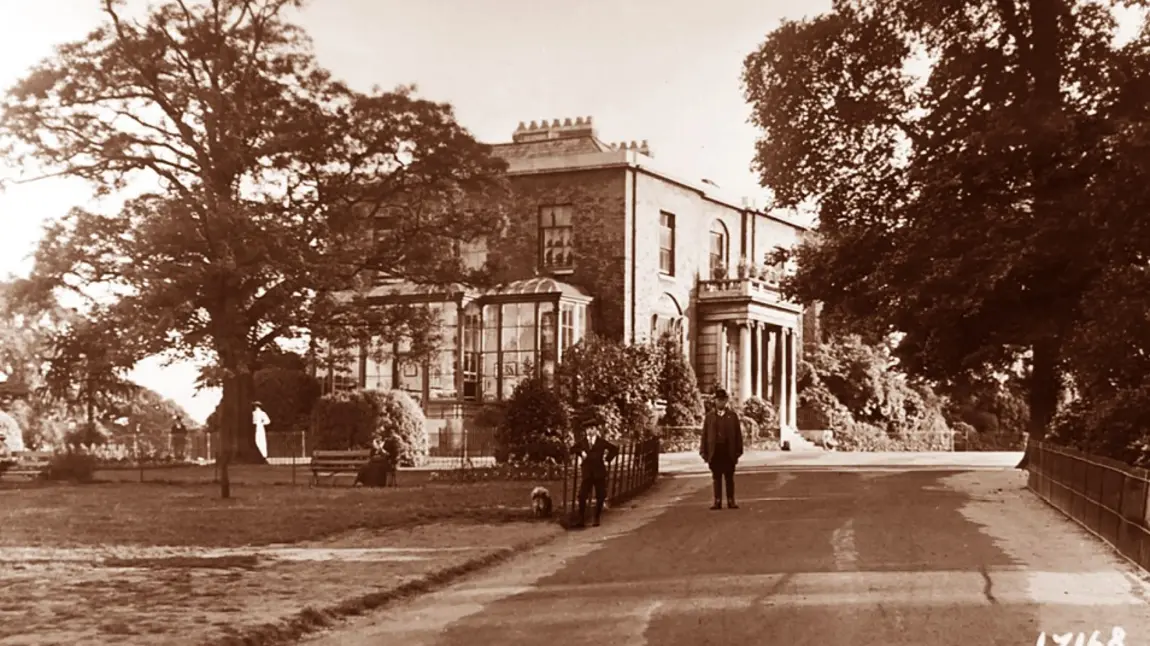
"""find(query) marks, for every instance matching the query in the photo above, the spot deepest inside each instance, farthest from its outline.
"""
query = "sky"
(667, 71)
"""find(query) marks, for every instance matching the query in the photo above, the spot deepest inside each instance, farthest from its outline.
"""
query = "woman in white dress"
(261, 420)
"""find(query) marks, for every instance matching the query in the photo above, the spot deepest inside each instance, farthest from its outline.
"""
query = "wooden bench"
(29, 464)
(334, 463)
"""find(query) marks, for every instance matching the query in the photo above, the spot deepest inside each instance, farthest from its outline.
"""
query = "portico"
(749, 343)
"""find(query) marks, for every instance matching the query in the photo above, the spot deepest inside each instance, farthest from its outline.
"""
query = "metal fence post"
(566, 463)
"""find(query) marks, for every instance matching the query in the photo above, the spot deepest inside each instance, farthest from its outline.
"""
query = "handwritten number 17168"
(1117, 638)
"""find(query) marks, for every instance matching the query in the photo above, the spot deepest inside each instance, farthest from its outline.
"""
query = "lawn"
(191, 513)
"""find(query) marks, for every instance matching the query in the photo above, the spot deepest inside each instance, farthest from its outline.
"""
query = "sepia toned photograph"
(637, 322)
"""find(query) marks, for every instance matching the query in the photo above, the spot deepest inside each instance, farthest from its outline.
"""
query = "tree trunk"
(238, 395)
(1045, 386)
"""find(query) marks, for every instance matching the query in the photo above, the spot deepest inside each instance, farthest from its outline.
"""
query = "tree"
(87, 371)
(270, 178)
(678, 386)
(964, 207)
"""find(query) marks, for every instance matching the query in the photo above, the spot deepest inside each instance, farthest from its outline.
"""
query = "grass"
(190, 512)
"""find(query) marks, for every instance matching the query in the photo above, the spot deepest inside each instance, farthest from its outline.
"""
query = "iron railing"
(633, 471)
(1109, 498)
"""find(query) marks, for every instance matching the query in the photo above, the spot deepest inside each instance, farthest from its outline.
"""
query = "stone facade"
(603, 218)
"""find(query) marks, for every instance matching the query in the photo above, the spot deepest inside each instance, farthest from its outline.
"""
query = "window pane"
(490, 374)
(442, 383)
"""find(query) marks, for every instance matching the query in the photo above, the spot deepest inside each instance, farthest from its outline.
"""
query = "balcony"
(724, 289)
(744, 298)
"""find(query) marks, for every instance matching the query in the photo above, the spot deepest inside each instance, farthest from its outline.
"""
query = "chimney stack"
(553, 129)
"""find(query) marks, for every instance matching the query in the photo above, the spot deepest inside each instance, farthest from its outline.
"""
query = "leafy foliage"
(397, 415)
(287, 396)
(269, 175)
(535, 426)
(764, 415)
(987, 209)
(11, 435)
(678, 386)
(852, 388)
(622, 380)
(362, 419)
(342, 421)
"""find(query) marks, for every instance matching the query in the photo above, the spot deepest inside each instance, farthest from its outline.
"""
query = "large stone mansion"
(605, 239)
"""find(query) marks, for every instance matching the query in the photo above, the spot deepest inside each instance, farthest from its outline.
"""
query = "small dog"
(541, 502)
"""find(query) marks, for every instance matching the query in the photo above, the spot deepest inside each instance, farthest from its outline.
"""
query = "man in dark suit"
(721, 447)
(596, 453)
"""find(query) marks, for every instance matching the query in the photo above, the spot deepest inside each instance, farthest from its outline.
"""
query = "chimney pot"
(532, 126)
(555, 123)
(588, 120)
(522, 126)
(578, 121)
(567, 122)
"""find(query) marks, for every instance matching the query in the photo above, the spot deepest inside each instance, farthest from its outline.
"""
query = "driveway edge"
(310, 620)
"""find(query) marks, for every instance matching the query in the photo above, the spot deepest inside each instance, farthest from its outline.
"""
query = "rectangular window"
(566, 326)
(556, 238)
(471, 357)
(667, 243)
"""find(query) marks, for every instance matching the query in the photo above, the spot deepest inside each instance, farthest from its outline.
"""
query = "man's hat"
(720, 393)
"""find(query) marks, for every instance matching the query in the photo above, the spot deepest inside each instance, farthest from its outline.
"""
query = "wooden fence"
(633, 471)
(1105, 496)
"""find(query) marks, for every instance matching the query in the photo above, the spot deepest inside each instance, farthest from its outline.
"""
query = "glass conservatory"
(488, 343)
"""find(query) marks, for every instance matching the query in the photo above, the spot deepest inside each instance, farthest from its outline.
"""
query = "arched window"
(667, 318)
(719, 252)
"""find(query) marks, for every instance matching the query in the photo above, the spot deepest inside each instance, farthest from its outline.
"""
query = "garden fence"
(1105, 496)
(288, 447)
(633, 471)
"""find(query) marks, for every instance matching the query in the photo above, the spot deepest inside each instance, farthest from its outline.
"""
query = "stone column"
(792, 378)
(721, 355)
(760, 365)
(744, 361)
(781, 375)
(772, 363)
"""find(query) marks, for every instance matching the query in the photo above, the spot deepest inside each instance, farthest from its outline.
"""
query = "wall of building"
(767, 233)
(598, 197)
(694, 216)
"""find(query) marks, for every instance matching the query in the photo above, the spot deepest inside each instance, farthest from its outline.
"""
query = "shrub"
(673, 439)
(342, 421)
(11, 437)
(860, 436)
(397, 415)
(678, 386)
(535, 425)
(750, 432)
(625, 378)
(764, 415)
(71, 466)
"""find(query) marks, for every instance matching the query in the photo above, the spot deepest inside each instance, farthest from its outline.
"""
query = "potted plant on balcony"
(745, 269)
(719, 271)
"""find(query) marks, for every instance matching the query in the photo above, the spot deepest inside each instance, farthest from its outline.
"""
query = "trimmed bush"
(763, 414)
(11, 437)
(342, 421)
(397, 415)
(535, 425)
